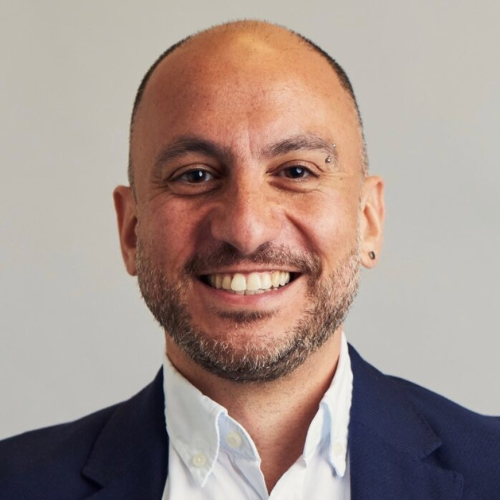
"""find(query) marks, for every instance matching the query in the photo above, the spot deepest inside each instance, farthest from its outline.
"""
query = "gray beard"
(330, 301)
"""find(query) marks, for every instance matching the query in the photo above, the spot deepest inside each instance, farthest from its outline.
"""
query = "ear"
(125, 206)
(372, 220)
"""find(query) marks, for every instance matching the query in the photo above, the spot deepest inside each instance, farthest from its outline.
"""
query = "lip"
(248, 270)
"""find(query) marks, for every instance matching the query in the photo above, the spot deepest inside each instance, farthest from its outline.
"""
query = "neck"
(276, 414)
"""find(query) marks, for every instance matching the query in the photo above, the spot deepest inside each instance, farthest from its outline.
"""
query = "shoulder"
(469, 433)
(424, 427)
(446, 418)
(74, 459)
(67, 444)
(470, 442)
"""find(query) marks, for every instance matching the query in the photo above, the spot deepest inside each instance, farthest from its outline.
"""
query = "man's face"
(249, 213)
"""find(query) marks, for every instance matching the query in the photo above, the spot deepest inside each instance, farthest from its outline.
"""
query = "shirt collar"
(192, 423)
(330, 425)
(199, 427)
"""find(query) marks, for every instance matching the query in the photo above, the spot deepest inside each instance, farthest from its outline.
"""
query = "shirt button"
(199, 460)
(338, 449)
(233, 439)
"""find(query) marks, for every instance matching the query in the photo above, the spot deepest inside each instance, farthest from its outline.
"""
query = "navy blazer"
(405, 443)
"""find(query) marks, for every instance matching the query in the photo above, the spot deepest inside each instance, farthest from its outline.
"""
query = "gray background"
(75, 335)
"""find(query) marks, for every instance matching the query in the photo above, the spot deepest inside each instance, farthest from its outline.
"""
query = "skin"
(246, 89)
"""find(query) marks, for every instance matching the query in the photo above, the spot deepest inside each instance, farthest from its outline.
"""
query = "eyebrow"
(299, 142)
(185, 145)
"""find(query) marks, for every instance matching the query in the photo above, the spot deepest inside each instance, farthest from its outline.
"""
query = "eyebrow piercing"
(328, 159)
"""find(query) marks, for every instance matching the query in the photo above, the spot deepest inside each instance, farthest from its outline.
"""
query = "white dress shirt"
(211, 456)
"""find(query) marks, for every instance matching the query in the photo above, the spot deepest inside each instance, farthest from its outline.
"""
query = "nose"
(246, 217)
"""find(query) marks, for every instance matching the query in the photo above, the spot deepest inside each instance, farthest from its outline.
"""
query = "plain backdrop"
(75, 335)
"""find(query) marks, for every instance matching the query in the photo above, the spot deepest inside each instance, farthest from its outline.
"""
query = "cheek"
(169, 233)
(328, 223)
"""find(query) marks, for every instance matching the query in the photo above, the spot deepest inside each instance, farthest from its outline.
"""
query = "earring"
(372, 255)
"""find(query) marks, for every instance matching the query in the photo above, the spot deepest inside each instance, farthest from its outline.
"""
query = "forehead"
(238, 65)
(240, 86)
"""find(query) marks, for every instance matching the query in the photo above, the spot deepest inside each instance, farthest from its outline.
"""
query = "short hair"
(339, 71)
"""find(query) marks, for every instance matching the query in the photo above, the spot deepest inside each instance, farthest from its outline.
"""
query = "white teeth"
(275, 279)
(253, 282)
(239, 283)
(284, 278)
(226, 282)
(249, 284)
(265, 281)
(218, 280)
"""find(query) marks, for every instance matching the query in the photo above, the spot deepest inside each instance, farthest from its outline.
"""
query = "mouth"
(249, 283)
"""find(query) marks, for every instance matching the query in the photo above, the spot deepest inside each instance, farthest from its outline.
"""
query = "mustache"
(268, 254)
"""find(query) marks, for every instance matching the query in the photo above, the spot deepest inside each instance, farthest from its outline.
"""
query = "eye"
(296, 172)
(298, 175)
(193, 180)
(196, 176)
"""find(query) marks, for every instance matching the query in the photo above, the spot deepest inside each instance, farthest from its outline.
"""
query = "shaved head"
(211, 42)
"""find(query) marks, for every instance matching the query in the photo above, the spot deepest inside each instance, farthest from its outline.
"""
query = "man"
(249, 213)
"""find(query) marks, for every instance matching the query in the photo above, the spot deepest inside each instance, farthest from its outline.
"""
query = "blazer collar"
(129, 459)
(391, 445)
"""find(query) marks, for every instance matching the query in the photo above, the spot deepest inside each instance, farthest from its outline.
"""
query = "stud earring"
(371, 255)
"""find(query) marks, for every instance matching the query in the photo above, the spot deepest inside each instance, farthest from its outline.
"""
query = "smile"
(248, 284)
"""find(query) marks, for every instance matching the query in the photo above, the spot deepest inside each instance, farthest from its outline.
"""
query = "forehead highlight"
(235, 47)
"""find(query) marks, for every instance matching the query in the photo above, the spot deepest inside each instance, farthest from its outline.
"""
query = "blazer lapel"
(391, 446)
(129, 459)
